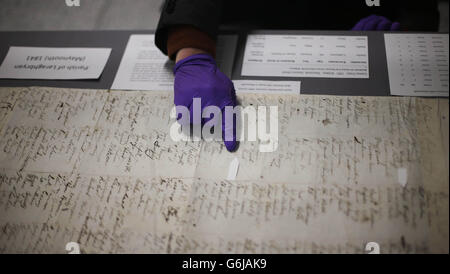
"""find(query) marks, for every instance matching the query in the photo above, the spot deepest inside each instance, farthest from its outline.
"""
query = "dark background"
(33, 22)
(116, 14)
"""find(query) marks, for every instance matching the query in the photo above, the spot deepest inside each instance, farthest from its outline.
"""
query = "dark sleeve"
(204, 15)
(415, 15)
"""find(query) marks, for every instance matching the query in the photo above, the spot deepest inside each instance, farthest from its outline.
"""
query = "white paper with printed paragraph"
(269, 87)
(322, 56)
(99, 168)
(144, 67)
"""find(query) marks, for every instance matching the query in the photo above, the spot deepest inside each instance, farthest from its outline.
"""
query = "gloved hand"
(197, 76)
(375, 22)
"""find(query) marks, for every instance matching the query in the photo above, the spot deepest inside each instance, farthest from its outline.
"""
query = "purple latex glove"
(375, 22)
(197, 76)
